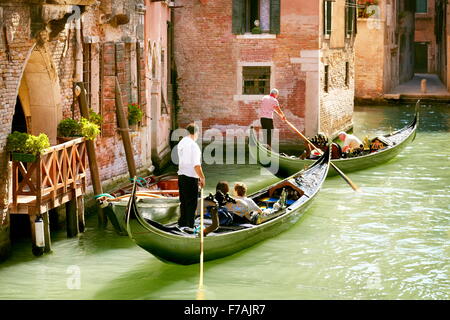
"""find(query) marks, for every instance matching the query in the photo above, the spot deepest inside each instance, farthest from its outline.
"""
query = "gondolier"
(190, 176)
(269, 105)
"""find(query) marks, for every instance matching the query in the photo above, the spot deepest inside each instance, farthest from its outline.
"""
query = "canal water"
(389, 242)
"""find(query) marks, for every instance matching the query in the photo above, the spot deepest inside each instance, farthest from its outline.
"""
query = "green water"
(389, 242)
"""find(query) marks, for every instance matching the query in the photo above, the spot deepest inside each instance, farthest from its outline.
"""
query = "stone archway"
(40, 94)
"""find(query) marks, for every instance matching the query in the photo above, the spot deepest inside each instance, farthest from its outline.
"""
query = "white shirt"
(352, 141)
(252, 206)
(189, 156)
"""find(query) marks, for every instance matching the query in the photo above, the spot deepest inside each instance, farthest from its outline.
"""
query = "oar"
(347, 179)
(200, 292)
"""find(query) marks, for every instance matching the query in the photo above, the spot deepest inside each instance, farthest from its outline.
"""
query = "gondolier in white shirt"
(269, 105)
(190, 176)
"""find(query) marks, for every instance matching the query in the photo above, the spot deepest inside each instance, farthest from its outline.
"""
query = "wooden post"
(80, 209)
(423, 86)
(92, 158)
(48, 241)
(124, 131)
(72, 218)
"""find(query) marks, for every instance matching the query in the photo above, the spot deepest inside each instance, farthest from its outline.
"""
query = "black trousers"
(188, 187)
(267, 124)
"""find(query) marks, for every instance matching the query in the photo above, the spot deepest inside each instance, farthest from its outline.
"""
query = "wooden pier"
(57, 177)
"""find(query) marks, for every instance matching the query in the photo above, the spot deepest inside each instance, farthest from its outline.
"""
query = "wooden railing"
(61, 169)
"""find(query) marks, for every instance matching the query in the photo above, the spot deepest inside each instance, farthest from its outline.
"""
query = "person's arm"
(254, 206)
(199, 171)
(280, 112)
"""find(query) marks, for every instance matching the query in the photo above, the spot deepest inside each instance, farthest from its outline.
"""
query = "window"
(87, 72)
(247, 12)
(350, 17)
(328, 12)
(326, 82)
(256, 80)
(421, 6)
(347, 74)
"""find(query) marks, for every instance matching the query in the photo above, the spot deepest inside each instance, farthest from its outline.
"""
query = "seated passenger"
(240, 190)
(350, 141)
(225, 217)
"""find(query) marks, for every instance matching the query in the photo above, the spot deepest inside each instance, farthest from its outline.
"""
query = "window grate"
(256, 80)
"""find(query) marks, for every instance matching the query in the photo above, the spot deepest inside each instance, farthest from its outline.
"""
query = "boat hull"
(185, 248)
(284, 166)
(163, 211)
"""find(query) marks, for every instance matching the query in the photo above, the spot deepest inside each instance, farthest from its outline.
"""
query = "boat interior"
(266, 200)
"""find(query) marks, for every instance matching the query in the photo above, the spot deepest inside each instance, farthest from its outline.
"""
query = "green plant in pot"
(89, 129)
(68, 129)
(135, 114)
(95, 117)
(26, 147)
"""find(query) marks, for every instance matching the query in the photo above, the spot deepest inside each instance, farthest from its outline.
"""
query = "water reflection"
(389, 242)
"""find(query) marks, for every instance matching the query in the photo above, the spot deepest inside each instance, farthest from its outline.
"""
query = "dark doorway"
(421, 57)
(19, 122)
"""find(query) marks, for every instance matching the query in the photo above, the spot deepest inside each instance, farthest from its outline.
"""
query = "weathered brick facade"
(210, 57)
(39, 41)
(384, 49)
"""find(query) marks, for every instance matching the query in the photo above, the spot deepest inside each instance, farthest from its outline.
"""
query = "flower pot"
(23, 157)
(61, 140)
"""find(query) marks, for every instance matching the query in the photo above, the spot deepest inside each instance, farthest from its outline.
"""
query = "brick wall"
(208, 56)
(60, 52)
(336, 105)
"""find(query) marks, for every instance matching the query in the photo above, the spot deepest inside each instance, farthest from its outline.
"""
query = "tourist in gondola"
(350, 141)
(222, 197)
(269, 105)
(240, 190)
(190, 176)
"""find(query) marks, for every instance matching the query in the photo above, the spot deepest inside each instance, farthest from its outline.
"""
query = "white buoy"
(39, 232)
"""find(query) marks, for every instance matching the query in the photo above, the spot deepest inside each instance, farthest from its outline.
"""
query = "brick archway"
(40, 95)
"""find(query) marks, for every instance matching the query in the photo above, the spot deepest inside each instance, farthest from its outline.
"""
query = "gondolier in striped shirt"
(269, 105)
(190, 176)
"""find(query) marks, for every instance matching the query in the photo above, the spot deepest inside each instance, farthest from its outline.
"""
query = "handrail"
(59, 170)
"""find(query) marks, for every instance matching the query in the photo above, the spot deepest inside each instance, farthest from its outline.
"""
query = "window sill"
(248, 97)
(256, 36)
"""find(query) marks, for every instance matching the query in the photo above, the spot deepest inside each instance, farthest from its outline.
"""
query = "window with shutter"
(328, 12)
(238, 24)
(256, 16)
(275, 12)
(350, 17)
(421, 6)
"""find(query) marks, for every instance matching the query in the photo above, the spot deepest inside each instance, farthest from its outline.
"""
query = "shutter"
(238, 23)
(275, 16)
(355, 18)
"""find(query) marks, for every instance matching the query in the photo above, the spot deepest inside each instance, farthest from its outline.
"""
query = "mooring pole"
(124, 131)
(92, 158)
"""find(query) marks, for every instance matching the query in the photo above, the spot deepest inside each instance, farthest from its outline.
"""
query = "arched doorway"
(38, 110)
(39, 97)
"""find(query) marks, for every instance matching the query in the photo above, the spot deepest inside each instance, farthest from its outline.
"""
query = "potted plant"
(25, 147)
(95, 117)
(89, 129)
(134, 115)
(68, 129)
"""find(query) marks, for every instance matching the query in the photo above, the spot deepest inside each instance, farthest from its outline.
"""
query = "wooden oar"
(347, 179)
(200, 292)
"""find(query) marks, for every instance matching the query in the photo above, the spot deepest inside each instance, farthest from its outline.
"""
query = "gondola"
(286, 165)
(160, 192)
(171, 244)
